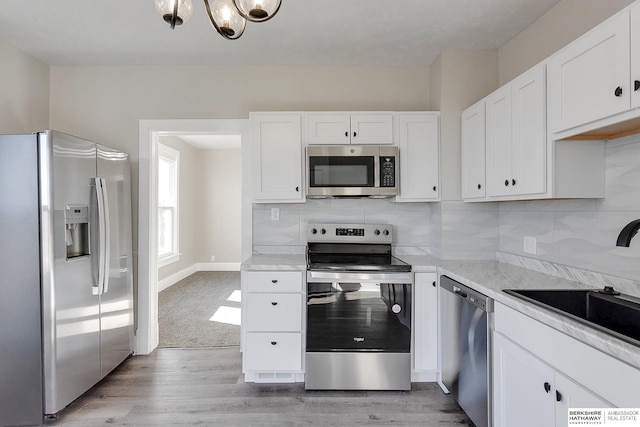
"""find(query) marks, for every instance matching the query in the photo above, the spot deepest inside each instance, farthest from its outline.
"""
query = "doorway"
(147, 330)
(199, 215)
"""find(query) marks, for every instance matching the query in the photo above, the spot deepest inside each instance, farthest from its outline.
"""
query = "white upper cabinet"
(277, 157)
(498, 133)
(516, 136)
(419, 147)
(590, 78)
(473, 152)
(520, 161)
(349, 128)
(529, 132)
(635, 55)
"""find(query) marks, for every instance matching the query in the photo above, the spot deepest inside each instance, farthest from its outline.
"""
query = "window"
(168, 172)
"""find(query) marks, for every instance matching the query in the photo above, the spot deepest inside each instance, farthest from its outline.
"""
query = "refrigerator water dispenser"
(76, 220)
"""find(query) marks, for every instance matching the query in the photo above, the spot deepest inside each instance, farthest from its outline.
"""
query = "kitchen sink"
(604, 309)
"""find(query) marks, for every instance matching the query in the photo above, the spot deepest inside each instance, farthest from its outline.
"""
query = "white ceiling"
(304, 32)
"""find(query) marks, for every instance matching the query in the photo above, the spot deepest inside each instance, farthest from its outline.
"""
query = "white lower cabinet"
(528, 392)
(425, 327)
(521, 387)
(570, 394)
(273, 351)
(272, 326)
(539, 373)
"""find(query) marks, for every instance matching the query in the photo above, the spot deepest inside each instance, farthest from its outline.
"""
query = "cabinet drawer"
(273, 312)
(273, 352)
(274, 281)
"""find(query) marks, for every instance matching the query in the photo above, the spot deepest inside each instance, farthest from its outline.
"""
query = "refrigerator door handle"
(107, 237)
(102, 234)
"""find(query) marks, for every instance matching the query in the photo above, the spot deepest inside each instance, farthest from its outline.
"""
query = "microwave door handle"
(376, 171)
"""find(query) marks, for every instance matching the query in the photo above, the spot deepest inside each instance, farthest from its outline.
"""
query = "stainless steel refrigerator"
(66, 283)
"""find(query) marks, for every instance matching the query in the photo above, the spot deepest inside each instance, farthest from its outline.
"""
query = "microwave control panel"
(387, 171)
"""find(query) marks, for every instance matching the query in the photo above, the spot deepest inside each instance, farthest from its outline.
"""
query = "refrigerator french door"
(82, 214)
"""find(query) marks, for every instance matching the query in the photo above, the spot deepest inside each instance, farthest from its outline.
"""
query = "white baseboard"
(203, 266)
(176, 277)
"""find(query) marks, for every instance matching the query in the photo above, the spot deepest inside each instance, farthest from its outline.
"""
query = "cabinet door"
(635, 55)
(522, 387)
(372, 129)
(328, 129)
(498, 132)
(589, 79)
(569, 394)
(277, 157)
(419, 147)
(425, 328)
(529, 132)
(473, 152)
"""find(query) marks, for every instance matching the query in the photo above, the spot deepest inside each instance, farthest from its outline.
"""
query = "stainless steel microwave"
(352, 171)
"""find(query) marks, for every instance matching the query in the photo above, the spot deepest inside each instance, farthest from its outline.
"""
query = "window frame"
(166, 153)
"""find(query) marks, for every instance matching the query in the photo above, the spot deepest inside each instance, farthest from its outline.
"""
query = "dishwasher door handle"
(459, 292)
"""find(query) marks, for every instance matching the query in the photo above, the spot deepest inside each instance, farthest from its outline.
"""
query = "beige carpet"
(185, 310)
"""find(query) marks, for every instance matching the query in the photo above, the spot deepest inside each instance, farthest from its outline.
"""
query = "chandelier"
(228, 17)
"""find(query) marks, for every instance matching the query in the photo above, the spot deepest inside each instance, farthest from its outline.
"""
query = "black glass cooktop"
(353, 257)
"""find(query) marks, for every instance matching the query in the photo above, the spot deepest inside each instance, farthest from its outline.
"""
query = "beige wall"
(188, 201)
(562, 24)
(24, 92)
(219, 173)
(460, 77)
(105, 103)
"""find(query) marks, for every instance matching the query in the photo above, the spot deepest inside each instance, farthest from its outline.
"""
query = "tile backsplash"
(412, 227)
(583, 233)
(576, 233)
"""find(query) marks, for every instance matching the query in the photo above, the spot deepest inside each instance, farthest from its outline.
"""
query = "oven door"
(358, 312)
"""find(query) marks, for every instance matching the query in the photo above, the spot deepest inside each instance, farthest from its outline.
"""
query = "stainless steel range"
(358, 310)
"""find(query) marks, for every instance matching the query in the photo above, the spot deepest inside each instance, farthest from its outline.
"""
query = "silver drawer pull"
(274, 281)
(274, 342)
(274, 303)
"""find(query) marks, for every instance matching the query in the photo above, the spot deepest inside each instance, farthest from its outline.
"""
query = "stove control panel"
(349, 233)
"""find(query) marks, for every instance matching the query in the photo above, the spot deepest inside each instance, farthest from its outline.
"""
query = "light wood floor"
(180, 387)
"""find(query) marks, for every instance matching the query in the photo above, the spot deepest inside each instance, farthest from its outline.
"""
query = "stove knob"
(396, 308)
(323, 231)
(377, 232)
(314, 231)
(385, 232)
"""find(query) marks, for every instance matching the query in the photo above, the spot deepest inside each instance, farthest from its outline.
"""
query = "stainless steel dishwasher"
(465, 348)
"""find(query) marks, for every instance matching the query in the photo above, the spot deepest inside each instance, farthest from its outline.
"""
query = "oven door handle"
(360, 277)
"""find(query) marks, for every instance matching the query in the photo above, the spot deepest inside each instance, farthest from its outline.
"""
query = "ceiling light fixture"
(228, 17)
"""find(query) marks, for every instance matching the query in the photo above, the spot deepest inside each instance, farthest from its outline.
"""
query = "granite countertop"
(290, 262)
(490, 278)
